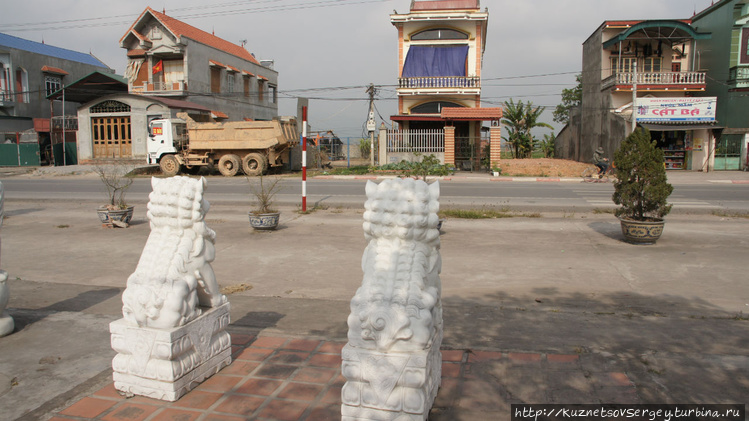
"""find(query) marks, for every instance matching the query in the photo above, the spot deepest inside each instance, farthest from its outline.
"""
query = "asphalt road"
(349, 193)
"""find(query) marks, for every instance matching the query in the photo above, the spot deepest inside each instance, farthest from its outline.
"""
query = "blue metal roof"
(10, 41)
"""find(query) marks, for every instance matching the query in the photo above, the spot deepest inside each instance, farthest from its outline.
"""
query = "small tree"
(264, 192)
(115, 179)
(365, 147)
(547, 145)
(571, 98)
(641, 187)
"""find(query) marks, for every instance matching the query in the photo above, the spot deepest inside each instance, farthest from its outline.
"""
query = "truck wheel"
(228, 165)
(169, 165)
(254, 164)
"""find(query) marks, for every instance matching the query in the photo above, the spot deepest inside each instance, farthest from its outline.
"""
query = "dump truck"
(253, 147)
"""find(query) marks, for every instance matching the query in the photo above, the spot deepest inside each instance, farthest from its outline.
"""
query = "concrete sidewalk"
(674, 177)
(536, 310)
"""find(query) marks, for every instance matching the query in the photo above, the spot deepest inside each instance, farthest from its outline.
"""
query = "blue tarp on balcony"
(423, 61)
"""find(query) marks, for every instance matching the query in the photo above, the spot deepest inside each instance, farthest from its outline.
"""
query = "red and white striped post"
(304, 159)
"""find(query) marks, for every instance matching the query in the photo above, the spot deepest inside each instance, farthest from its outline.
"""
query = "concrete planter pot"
(116, 217)
(264, 221)
(642, 232)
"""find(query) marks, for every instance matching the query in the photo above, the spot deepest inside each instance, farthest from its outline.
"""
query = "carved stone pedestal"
(390, 385)
(6, 322)
(167, 363)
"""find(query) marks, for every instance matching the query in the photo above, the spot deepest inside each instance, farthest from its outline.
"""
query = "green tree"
(570, 98)
(520, 119)
(641, 187)
(547, 145)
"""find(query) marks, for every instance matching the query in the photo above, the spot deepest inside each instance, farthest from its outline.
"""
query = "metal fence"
(415, 141)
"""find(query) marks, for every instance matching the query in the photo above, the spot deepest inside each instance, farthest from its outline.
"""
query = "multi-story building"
(725, 59)
(654, 65)
(440, 54)
(174, 67)
(30, 72)
(167, 57)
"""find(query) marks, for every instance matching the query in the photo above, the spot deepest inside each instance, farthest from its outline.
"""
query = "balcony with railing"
(688, 81)
(738, 76)
(6, 98)
(178, 88)
(432, 84)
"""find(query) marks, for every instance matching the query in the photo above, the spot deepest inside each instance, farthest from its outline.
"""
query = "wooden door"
(111, 137)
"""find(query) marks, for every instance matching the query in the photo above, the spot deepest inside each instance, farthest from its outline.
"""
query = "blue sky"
(329, 50)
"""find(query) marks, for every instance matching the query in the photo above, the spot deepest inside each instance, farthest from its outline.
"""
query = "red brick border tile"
(88, 407)
(130, 412)
(331, 347)
(562, 358)
(325, 360)
(302, 345)
(284, 410)
(174, 414)
(241, 339)
(524, 357)
(479, 356)
(239, 368)
(198, 399)
(268, 342)
(452, 355)
(254, 354)
(315, 375)
(301, 391)
(219, 383)
(262, 387)
(241, 405)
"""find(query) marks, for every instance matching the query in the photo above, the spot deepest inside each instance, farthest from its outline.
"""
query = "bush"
(641, 188)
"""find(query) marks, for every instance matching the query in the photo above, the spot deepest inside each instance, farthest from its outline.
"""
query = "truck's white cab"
(165, 136)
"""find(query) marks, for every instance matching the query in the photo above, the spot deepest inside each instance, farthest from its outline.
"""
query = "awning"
(473, 114)
(677, 127)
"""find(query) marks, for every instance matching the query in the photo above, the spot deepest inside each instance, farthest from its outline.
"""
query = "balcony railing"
(174, 88)
(656, 78)
(739, 75)
(438, 82)
(68, 122)
(6, 97)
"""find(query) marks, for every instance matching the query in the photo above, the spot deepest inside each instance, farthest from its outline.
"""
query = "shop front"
(684, 128)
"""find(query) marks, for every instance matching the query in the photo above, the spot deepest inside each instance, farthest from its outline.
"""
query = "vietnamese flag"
(158, 67)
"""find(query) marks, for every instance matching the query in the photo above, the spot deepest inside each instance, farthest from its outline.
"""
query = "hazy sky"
(329, 50)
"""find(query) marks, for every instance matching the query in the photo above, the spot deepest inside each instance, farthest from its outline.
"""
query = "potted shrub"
(641, 188)
(264, 216)
(116, 213)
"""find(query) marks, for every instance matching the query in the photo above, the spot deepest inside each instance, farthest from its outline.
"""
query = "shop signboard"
(664, 110)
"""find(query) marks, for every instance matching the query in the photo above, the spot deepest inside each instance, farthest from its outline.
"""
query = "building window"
(52, 84)
(273, 94)
(260, 90)
(246, 80)
(110, 107)
(652, 64)
(215, 80)
(433, 107)
(622, 65)
(230, 82)
(22, 85)
(439, 33)
(5, 94)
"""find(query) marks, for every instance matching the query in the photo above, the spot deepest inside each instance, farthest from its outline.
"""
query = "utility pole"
(371, 122)
(634, 96)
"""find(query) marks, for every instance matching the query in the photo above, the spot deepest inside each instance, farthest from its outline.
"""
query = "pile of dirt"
(542, 167)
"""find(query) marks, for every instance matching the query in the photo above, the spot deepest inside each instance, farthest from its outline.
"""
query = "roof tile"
(181, 29)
